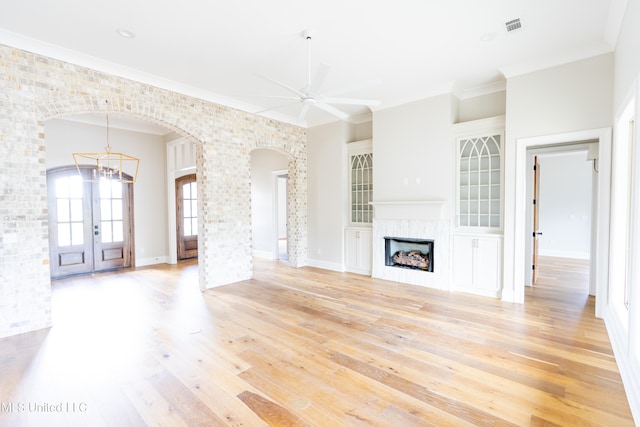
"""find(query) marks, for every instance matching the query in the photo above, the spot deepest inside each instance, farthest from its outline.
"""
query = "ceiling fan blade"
(329, 109)
(351, 101)
(289, 88)
(318, 79)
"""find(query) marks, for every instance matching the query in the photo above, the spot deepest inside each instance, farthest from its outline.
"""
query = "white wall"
(64, 137)
(627, 60)
(263, 163)
(482, 107)
(413, 151)
(326, 193)
(565, 205)
(625, 330)
(568, 98)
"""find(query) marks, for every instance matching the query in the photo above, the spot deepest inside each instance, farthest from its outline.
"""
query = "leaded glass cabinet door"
(479, 182)
(361, 188)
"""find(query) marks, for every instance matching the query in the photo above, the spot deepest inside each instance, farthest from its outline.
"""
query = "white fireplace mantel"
(424, 209)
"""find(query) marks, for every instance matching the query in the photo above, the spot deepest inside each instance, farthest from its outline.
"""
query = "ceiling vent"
(513, 25)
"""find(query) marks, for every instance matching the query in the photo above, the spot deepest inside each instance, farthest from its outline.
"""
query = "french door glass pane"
(118, 231)
(190, 209)
(63, 210)
(107, 233)
(105, 188)
(62, 188)
(64, 234)
(116, 190)
(75, 187)
(186, 191)
(111, 211)
(69, 210)
(77, 233)
(105, 209)
(76, 210)
(187, 209)
(117, 211)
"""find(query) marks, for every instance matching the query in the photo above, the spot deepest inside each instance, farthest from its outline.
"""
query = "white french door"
(89, 223)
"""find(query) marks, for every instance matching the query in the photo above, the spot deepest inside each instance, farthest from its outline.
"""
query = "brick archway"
(35, 88)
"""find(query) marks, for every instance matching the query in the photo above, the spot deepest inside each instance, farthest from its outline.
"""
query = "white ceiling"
(217, 50)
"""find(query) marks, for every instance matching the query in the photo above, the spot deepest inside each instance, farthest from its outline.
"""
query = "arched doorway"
(224, 136)
(270, 210)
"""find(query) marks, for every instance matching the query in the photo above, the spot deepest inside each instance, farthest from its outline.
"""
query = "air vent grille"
(513, 25)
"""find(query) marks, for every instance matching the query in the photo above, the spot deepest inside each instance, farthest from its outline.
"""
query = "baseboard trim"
(629, 368)
(143, 262)
(326, 265)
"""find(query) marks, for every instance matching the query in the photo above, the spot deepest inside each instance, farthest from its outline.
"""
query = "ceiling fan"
(311, 96)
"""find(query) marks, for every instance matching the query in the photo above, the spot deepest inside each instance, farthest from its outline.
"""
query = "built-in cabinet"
(478, 264)
(478, 236)
(358, 243)
(358, 250)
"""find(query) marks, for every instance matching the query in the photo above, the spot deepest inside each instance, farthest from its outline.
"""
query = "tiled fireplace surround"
(416, 220)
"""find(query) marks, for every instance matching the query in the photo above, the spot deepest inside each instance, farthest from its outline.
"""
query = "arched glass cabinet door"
(479, 182)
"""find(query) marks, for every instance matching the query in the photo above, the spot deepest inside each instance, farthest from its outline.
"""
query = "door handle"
(537, 233)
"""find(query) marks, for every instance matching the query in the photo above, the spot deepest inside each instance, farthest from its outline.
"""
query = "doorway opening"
(90, 222)
(280, 214)
(559, 220)
(187, 216)
(518, 261)
(269, 200)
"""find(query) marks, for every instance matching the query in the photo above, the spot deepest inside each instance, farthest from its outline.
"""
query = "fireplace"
(404, 252)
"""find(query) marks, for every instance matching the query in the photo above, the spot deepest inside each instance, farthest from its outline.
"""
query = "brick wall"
(34, 88)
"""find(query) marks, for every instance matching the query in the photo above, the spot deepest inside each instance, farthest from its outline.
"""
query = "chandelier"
(109, 164)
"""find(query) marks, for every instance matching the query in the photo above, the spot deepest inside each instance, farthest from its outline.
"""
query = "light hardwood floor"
(310, 347)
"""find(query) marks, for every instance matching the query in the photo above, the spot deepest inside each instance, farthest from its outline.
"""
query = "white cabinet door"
(358, 250)
(477, 264)
(488, 265)
(462, 262)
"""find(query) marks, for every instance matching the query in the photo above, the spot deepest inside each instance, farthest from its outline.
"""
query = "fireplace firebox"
(404, 252)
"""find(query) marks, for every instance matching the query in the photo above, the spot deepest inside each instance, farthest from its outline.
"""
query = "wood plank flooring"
(309, 347)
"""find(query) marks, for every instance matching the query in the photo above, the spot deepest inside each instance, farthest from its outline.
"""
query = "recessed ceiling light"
(487, 37)
(125, 33)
